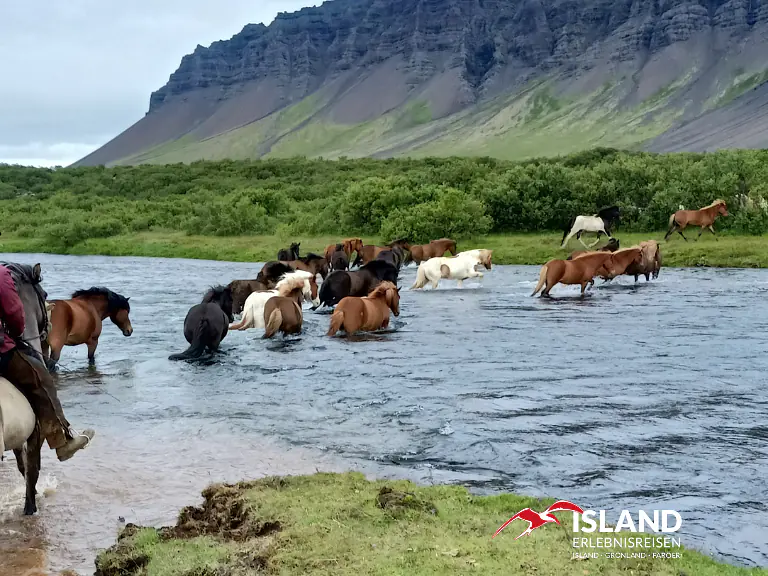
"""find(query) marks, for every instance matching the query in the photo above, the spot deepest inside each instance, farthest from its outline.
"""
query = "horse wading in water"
(703, 217)
(356, 282)
(369, 252)
(79, 321)
(241, 289)
(619, 261)
(369, 313)
(206, 324)
(253, 309)
(650, 263)
(460, 267)
(283, 312)
(435, 249)
(310, 263)
(600, 223)
(580, 270)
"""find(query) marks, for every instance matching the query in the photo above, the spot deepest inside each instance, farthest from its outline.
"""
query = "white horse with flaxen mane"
(253, 308)
(460, 267)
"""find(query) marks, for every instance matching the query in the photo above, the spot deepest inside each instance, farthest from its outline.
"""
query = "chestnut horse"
(368, 313)
(349, 245)
(369, 252)
(704, 217)
(580, 270)
(79, 321)
(435, 249)
(283, 312)
(313, 263)
(619, 261)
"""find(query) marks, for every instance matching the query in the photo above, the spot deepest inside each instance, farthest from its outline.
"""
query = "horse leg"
(460, 283)
(711, 229)
(583, 288)
(680, 231)
(92, 343)
(32, 458)
(700, 231)
(20, 461)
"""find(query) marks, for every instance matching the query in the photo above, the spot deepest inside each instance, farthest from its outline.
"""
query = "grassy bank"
(726, 251)
(344, 524)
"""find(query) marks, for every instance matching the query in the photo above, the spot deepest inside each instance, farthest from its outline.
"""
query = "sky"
(75, 73)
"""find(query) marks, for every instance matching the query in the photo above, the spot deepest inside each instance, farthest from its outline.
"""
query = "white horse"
(599, 223)
(253, 308)
(460, 267)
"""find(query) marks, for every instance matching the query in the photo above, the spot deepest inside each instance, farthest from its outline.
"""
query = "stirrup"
(75, 434)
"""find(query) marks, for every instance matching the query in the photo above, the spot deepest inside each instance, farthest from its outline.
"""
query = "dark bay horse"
(272, 272)
(79, 321)
(241, 289)
(395, 256)
(435, 249)
(349, 245)
(206, 324)
(339, 259)
(369, 252)
(704, 217)
(291, 253)
(282, 313)
(368, 313)
(357, 282)
(310, 263)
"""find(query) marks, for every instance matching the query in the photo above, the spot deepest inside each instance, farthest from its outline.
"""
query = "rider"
(30, 376)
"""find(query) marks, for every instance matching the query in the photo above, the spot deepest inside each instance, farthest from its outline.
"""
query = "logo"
(536, 520)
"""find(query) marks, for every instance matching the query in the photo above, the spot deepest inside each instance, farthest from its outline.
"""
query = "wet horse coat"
(369, 313)
(283, 312)
(460, 267)
(435, 249)
(580, 270)
(205, 325)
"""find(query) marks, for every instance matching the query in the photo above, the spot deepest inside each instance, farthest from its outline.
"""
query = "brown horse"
(368, 313)
(313, 263)
(619, 261)
(283, 312)
(369, 252)
(241, 289)
(650, 262)
(349, 245)
(79, 321)
(612, 246)
(704, 217)
(435, 249)
(577, 271)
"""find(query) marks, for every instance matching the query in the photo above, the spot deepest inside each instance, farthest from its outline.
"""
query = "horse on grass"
(368, 313)
(650, 263)
(205, 325)
(291, 253)
(435, 249)
(369, 252)
(357, 282)
(313, 263)
(19, 431)
(79, 321)
(703, 217)
(580, 270)
(460, 267)
(600, 223)
(253, 309)
(283, 312)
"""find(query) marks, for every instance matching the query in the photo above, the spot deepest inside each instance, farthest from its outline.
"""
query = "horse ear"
(36, 271)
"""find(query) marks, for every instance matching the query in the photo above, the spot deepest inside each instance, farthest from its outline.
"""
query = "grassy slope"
(334, 524)
(727, 251)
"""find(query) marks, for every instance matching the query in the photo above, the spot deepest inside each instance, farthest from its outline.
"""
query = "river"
(647, 396)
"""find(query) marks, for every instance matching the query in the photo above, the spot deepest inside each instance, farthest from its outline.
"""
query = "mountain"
(506, 78)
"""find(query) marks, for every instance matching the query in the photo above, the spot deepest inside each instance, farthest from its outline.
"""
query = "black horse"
(340, 284)
(207, 323)
(272, 271)
(288, 254)
(339, 259)
(395, 256)
(578, 225)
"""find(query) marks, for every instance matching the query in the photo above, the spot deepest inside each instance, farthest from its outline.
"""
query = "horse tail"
(421, 278)
(337, 319)
(273, 323)
(542, 279)
(246, 320)
(671, 228)
(197, 347)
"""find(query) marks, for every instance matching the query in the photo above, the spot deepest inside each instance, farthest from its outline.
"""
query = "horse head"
(485, 258)
(721, 208)
(221, 295)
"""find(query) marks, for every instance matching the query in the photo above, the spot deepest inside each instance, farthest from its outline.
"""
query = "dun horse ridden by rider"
(206, 324)
(368, 313)
(435, 249)
(30, 411)
(600, 223)
(283, 312)
(580, 270)
(79, 321)
(703, 217)
(291, 253)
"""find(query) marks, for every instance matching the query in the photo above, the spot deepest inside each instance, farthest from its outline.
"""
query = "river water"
(649, 396)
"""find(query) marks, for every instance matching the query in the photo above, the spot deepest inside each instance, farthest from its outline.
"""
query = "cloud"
(77, 73)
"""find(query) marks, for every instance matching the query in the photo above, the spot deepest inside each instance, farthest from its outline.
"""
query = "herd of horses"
(363, 300)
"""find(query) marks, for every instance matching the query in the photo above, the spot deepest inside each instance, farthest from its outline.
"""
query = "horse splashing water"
(368, 313)
(253, 309)
(357, 282)
(650, 263)
(580, 270)
(703, 217)
(205, 325)
(600, 223)
(283, 312)
(460, 267)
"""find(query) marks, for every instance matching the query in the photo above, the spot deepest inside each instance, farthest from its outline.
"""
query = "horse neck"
(99, 303)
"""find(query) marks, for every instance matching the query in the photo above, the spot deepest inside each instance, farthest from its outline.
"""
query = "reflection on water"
(635, 396)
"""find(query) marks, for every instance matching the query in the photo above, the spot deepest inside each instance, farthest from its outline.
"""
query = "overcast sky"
(75, 73)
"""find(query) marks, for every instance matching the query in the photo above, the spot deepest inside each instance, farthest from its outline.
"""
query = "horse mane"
(215, 293)
(398, 241)
(311, 256)
(381, 290)
(609, 211)
(290, 284)
(715, 203)
(115, 301)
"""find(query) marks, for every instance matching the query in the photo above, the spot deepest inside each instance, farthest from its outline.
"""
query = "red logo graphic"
(536, 520)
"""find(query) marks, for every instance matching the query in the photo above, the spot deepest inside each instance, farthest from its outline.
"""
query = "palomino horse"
(283, 312)
(704, 217)
(600, 223)
(368, 313)
(435, 249)
(356, 282)
(18, 424)
(79, 321)
(369, 252)
(205, 325)
(460, 267)
(253, 309)
(291, 253)
(580, 270)
(310, 263)
(650, 262)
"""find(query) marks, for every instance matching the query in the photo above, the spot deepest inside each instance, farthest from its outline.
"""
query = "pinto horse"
(580, 270)
(313, 263)
(435, 249)
(79, 321)
(369, 252)
(600, 223)
(704, 217)
(460, 267)
(283, 312)
(253, 309)
(368, 313)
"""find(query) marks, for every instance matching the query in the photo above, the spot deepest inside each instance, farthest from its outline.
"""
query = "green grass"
(741, 85)
(727, 251)
(342, 524)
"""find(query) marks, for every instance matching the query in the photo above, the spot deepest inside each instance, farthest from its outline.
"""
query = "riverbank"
(729, 251)
(344, 524)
